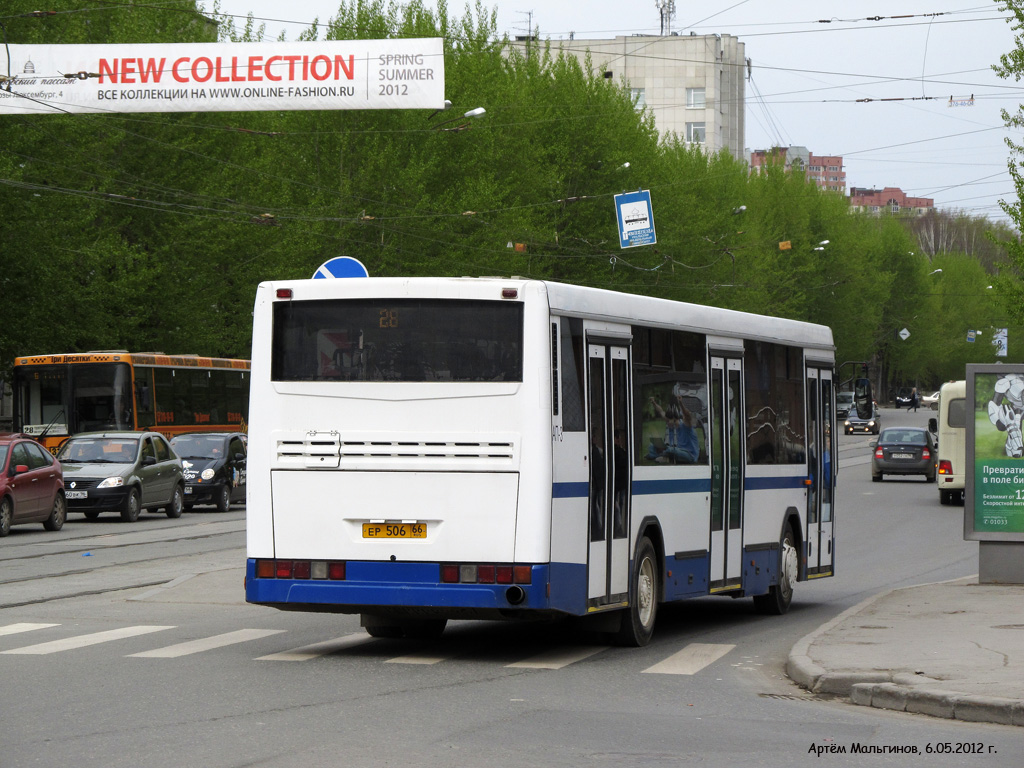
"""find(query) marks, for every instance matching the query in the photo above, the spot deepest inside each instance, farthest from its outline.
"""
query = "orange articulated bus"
(56, 396)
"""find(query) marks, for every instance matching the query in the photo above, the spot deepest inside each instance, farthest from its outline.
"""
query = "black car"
(904, 451)
(904, 397)
(214, 464)
(124, 472)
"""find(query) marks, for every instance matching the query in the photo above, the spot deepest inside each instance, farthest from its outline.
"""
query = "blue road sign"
(636, 219)
(342, 266)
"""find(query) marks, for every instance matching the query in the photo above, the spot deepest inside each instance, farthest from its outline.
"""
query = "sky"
(820, 69)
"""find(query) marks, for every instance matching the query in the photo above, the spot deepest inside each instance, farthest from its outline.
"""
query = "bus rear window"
(397, 340)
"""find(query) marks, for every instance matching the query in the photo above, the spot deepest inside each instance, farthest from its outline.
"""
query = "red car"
(31, 485)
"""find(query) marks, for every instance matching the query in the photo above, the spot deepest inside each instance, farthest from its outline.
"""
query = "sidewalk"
(954, 650)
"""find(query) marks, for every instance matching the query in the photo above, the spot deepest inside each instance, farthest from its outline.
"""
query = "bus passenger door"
(821, 412)
(610, 463)
(727, 469)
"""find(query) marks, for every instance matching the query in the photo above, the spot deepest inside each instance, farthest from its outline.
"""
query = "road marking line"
(419, 658)
(81, 641)
(13, 629)
(691, 660)
(314, 650)
(558, 657)
(205, 644)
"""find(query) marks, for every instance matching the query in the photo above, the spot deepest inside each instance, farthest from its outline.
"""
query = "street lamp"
(464, 126)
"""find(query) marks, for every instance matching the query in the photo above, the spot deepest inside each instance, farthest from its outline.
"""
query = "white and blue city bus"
(426, 449)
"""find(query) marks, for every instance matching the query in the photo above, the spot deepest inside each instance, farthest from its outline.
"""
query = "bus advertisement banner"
(225, 77)
(994, 501)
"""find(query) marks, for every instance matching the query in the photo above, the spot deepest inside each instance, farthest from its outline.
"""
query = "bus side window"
(144, 398)
(570, 375)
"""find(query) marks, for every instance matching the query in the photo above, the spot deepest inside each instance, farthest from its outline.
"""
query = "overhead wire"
(573, 117)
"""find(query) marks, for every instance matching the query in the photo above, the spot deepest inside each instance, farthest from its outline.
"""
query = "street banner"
(999, 341)
(994, 498)
(224, 77)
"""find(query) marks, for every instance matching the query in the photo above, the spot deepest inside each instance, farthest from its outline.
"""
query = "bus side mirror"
(862, 399)
(933, 425)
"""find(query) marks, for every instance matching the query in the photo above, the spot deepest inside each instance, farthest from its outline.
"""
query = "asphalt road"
(131, 645)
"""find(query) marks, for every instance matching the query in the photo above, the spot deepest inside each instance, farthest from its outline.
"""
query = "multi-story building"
(888, 200)
(825, 170)
(694, 85)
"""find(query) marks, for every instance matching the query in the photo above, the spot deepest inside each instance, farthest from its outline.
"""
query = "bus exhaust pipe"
(515, 595)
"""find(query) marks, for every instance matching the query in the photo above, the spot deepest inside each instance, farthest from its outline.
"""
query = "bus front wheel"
(637, 623)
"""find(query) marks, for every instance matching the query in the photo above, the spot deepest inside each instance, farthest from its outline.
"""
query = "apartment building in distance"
(888, 200)
(825, 170)
(694, 85)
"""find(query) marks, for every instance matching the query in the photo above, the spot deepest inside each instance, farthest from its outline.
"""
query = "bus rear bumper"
(369, 586)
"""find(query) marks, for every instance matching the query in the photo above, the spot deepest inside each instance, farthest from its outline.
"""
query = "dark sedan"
(904, 451)
(121, 471)
(214, 464)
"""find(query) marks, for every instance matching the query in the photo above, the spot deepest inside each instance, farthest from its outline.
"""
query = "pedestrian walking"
(913, 400)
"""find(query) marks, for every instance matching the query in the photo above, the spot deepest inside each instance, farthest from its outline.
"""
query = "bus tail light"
(336, 571)
(485, 573)
(301, 570)
(284, 293)
(945, 467)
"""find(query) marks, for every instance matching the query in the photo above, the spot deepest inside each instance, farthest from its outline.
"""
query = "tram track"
(116, 561)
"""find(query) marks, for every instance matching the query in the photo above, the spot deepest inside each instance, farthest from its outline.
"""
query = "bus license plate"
(76, 494)
(394, 530)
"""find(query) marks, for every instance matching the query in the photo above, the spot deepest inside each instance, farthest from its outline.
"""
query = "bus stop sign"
(636, 221)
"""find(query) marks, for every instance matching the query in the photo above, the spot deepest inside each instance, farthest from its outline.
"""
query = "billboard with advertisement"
(224, 77)
(994, 498)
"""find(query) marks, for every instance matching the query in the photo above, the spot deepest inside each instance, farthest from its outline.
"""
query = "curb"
(803, 670)
(883, 690)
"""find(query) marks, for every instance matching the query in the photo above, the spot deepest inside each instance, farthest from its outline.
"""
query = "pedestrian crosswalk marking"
(82, 641)
(691, 660)
(419, 658)
(306, 652)
(558, 657)
(206, 644)
(14, 629)
(688, 661)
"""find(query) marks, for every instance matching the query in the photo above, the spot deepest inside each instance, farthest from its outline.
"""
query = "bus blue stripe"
(774, 483)
(570, 490)
(693, 485)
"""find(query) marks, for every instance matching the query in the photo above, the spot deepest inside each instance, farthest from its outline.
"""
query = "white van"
(952, 434)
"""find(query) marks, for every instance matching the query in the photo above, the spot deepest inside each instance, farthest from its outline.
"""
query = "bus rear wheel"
(780, 595)
(637, 623)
